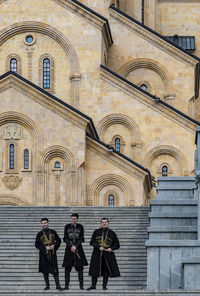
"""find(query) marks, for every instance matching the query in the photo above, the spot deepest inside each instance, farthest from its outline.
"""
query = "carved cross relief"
(12, 131)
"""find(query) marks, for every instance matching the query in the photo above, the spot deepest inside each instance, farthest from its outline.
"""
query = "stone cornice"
(90, 16)
(153, 37)
(118, 161)
(46, 100)
(148, 100)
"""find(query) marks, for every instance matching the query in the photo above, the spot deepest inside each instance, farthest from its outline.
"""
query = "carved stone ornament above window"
(11, 131)
(12, 182)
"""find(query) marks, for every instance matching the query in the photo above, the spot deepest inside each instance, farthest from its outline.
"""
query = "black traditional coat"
(107, 239)
(74, 236)
(47, 259)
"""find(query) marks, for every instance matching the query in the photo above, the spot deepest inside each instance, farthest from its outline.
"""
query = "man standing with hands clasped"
(47, 242)
(103, 261)
(74, 254)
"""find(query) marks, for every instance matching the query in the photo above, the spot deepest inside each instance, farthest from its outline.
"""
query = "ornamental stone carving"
(12, 182)
(11, 131)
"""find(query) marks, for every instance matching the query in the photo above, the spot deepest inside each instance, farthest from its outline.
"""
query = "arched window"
(12, 156)
(164, 171)
(13, 65)
(143, 87)
(117, 144)
(57, 165)
(46, 73)
(111, 200)
(26, 159)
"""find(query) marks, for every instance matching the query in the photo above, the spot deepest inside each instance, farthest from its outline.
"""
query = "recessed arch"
(39, 27)
(26, 122)
(58, 151)
(148, 64)
(110, 179)
(13, 200)
(169, 150)
(118, 118)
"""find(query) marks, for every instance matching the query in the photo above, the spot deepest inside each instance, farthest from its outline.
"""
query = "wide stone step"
(99, 292)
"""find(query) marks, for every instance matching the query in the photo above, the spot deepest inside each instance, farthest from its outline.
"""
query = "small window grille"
(117, 144)
(115, 3)
(143, 87)
(26, 159)
(57, 165)
(12, 156)
(164, 171)
(111, 200)
(46, 73)
(13, 65)
(185, 42)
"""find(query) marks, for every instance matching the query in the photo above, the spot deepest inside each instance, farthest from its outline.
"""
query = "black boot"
(46, 279)
(105, 281)
(94, 282)
(58, 287)
(67, 279)
(80, 278)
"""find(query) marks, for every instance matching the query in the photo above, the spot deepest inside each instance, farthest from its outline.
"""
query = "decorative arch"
(148, 64)
(19, 62)
(70, 173)
(58, 151)
(25, 121)
(39, 27)
(110, 179)
(13, 200)
(35, 131)
(118, 118)
(165, 149)
(60, 38)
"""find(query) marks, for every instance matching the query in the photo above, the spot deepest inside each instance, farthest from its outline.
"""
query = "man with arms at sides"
(74, 254)
(103, 261)
(47, 242)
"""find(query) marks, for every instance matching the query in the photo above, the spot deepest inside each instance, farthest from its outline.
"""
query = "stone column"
(57, 188)
(81, 194)
(39, 187)
(150, 13)
(197, 174)
(75, 89)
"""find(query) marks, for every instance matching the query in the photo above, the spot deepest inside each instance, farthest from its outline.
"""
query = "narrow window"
(117, 144)
(111, 200)
(46, 73)
(11, 156)
(13, 65)
(26, 159)
(57, 165)
(164, 171)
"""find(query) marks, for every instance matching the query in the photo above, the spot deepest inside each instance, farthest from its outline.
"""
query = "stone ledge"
(181, 202)
(172, 229)
(191, 260)
(173, 215)
(172, 243)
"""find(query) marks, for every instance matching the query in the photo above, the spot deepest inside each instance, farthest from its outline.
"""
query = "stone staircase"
(19, 258)
(173, 247)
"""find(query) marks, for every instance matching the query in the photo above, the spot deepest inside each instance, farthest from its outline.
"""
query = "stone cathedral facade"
(96, 97)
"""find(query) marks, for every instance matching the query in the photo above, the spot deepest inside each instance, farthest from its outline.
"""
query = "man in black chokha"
(47, 242)
(103, 261)
(74, 254)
